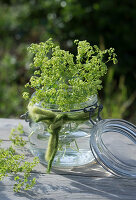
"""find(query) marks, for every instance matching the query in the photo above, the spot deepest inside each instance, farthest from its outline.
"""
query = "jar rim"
(75, 108)
(104, 154)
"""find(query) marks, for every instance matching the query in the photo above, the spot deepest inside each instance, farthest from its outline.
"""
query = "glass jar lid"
(113, 143)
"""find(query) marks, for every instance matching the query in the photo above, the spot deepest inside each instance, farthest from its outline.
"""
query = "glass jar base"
(66, 159)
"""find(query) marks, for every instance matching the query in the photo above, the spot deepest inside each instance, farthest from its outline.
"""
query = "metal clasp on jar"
(91, 110)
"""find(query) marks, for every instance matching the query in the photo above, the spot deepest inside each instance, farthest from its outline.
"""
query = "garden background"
(102, 22)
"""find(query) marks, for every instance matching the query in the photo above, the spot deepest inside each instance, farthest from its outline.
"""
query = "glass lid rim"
(116, 120)
(100, 157)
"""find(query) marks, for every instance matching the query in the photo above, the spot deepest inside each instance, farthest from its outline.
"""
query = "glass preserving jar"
(73, 146)
(111, 142)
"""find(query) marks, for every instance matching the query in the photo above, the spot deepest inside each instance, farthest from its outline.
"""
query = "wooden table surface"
(90, 182)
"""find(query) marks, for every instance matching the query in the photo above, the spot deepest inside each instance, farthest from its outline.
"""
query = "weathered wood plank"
(72, 187)
(7, 124)
(88, 182)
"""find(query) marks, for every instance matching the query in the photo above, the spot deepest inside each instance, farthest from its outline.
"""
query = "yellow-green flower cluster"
(62, 79)
(15, 164)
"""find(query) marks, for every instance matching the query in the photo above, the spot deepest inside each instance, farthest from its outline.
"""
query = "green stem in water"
(52, 149)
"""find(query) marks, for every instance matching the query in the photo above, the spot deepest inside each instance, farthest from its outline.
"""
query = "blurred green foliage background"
(103, 22)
